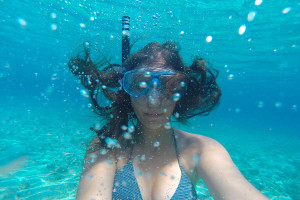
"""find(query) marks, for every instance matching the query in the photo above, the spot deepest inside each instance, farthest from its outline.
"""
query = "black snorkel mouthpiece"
(125, 37)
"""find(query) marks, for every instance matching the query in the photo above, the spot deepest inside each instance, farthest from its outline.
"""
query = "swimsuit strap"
(176, 149)
(131, 151)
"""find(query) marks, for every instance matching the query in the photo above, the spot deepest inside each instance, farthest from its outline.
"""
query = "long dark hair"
(111, 102)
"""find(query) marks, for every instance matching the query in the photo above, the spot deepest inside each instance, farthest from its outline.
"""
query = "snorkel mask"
(139, 81)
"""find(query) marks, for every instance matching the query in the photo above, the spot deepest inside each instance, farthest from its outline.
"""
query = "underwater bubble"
(147, 74)
(177, 115)
(109, 162)
(54, 77)
(165, 110)
(22, 22)
(92, 18)
(258, 2)
(103, 87)
(93, 157)
(103, 151)
(260, 104)
(124, 127)
(242, 29)
(182, 83)
(53, 27)
(294, 107)
(110, 142)
(90, 105)
(143, 157)
(143, 84)
(84, 93)
(278, 104)
(176, 97)
(167, 125)
(131, 129)
(251, 16)
(230, 77)
(181, 32)
(127, 135)
(156, 144)
(230, 17)
(163, 173)
(237, 110)
(209, 38)
(97, 127)
(111, 37)
(196, 159)
(286, 10)
(82, 25)
(53, 15)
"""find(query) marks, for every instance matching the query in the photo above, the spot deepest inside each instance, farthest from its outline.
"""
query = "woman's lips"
(153, 115)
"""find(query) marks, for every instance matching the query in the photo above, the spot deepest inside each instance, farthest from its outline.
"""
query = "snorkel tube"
(125, 37)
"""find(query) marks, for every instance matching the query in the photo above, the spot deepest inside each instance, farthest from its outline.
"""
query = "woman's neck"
(153, 139)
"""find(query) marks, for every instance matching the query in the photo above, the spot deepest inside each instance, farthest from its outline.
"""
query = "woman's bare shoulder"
(193, 140)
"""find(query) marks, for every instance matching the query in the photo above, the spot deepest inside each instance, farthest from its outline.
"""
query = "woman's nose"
(154, 94)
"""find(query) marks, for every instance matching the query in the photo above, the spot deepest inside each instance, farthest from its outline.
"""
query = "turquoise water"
(45, 120)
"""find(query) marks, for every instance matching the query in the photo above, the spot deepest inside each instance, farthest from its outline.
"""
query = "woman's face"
(153, 109)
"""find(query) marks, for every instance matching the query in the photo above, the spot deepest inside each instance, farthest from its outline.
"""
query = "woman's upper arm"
(97, 176)
(222, 177)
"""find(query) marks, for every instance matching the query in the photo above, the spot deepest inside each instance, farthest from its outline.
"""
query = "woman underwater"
(137, 154)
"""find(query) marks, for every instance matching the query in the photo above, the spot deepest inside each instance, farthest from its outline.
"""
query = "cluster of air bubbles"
(156, 16)
(176, 97)
(111, 143)
(251, 16)
(258, 2)
(84, 93)
(74, 68)
(143, 84)
(208, 39)
(152, 100)
(260, 104)
(167, 125)
(242, 29)
(131, 129)
(156, 144)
